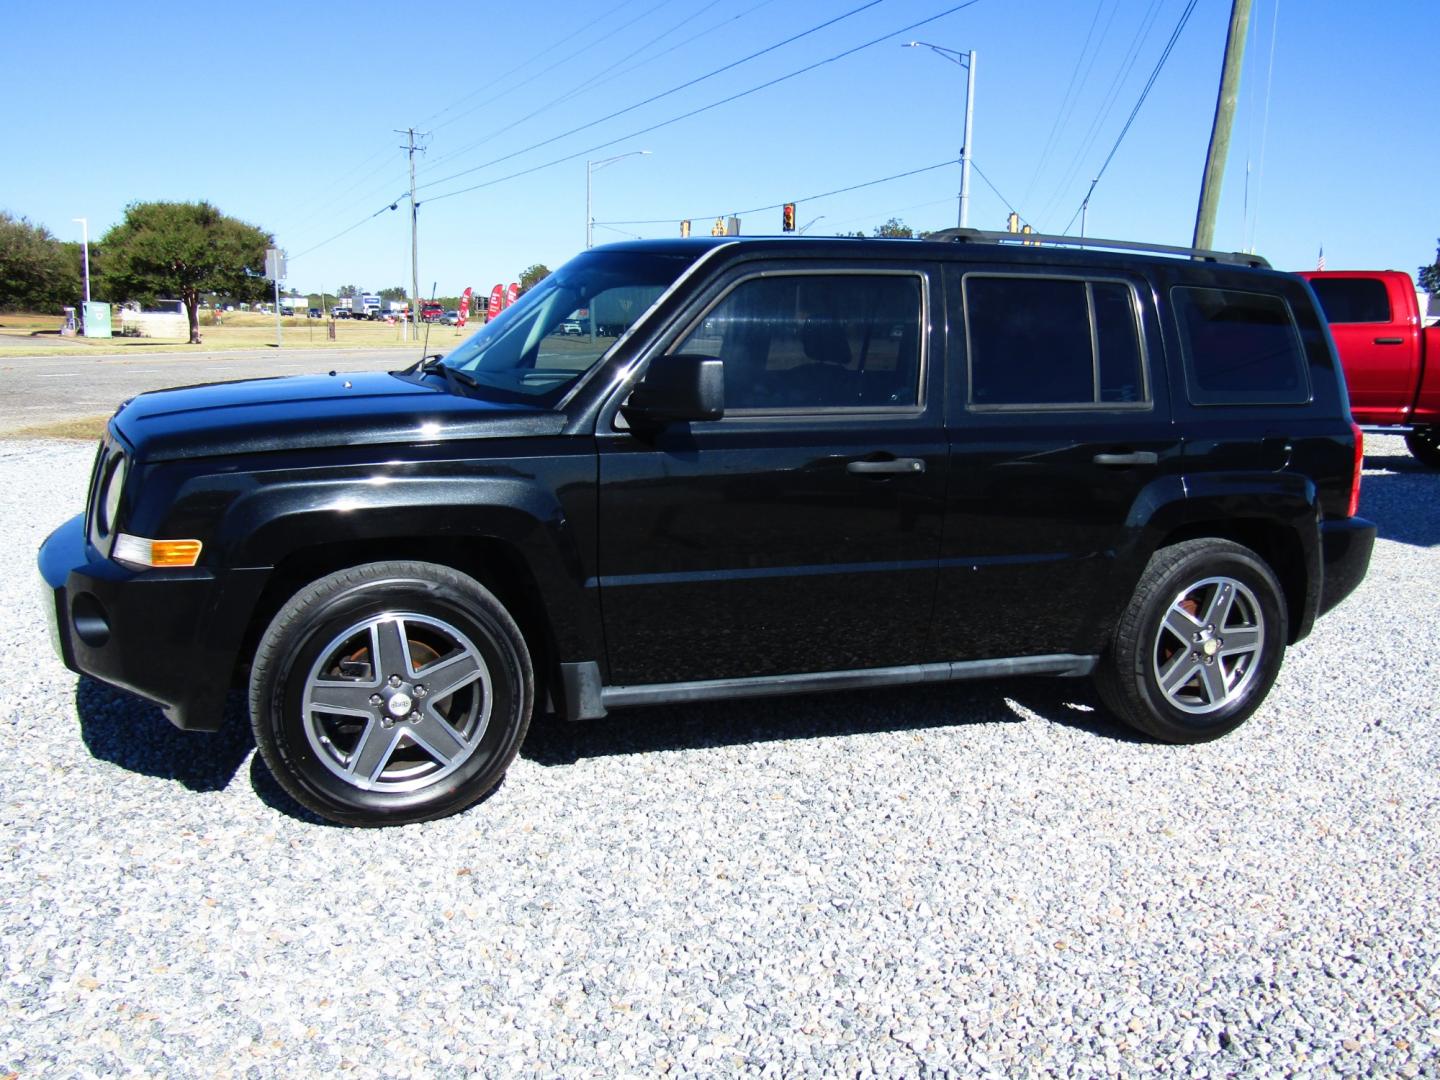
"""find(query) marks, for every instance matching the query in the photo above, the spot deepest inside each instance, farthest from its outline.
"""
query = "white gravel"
(989, 879)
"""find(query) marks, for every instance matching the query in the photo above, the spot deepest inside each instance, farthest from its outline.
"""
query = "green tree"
(1429, 276)
(533, 276)
(894, 228)
(395, 292)
(184, 249)
(37, 272)
(347, 292)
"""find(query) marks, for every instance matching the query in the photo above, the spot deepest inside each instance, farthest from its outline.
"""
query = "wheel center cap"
(1211, 647)
(399, 704)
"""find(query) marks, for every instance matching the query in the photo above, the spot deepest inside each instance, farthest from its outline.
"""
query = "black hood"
(313, 411)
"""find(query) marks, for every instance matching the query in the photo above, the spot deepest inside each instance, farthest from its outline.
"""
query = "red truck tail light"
(1354, 506)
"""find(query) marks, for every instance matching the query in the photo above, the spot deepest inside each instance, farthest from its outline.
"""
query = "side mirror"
(677, 387)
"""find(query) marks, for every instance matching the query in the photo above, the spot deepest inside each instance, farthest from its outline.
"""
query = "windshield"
(560, 329)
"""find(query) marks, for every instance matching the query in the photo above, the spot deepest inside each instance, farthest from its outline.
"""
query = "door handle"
(1139, 457)
(1389, 341)
(893, 465)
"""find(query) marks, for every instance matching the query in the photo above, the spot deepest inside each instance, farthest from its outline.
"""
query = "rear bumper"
(1345, 546)
(171, 636)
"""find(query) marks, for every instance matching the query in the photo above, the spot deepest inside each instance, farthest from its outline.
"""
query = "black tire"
(361, 744)
(1424, 443)
(1209, 685)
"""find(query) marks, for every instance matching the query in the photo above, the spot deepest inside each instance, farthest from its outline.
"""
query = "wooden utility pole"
(1220, 130)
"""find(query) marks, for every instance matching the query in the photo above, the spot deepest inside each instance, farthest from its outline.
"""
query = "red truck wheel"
(1424, 443)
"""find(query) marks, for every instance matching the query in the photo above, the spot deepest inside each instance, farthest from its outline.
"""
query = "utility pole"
(1224, 120)
(414, 231)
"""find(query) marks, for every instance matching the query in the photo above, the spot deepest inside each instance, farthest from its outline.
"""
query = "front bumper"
(1345, 546)
(171, 636)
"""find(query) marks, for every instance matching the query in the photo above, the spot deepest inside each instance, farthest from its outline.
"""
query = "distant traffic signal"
(685, 228)
(787, 217)
(718, 229)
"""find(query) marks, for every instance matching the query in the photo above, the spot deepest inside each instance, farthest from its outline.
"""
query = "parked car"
(340, 313)
(451, 318)
(1391, 359)
(570, 327)
(431, 312)
(1136, 466)
(315, 313)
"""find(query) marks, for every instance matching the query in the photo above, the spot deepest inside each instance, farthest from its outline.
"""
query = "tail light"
(1354, 506)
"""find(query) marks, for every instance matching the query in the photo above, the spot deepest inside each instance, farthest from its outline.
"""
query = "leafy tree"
(37, 272)
(347, 292)
(894, 228)
(395, 292)
(533, 276)
(184, 249)
(1429, 276)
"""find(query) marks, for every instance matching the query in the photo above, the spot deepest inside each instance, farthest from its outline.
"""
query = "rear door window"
(1239, 348)
(1352, 300)
(1052, 342)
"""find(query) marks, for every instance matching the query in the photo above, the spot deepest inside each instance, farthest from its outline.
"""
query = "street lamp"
(967, 61)
(590, 167)
(809, 223)
(85, 251)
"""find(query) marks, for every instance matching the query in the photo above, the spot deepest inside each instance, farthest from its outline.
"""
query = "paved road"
(42, 389)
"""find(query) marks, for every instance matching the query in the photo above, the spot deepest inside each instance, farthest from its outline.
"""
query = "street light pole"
(85, 251)
(590, 167)
(967, 61)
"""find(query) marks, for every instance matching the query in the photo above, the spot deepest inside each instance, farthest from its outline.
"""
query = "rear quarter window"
(1239, 347)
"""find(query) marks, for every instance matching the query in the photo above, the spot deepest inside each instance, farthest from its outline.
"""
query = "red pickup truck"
(1391, 359)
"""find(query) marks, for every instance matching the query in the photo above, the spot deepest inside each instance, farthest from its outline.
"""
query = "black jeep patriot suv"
(791, 465)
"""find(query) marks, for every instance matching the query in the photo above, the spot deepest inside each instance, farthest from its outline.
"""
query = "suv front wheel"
(391, 692)
(1199, 645)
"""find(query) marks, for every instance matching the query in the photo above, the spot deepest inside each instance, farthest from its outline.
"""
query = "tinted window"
(1346, 300)
(1239, 347)
(1033, 342)
(816, 341)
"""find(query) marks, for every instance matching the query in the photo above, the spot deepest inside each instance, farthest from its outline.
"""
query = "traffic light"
(685, 228)
(1012, 223)
(718, 229)
(787, 217)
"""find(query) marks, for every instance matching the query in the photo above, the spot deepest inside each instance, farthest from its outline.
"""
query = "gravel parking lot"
(987, 879)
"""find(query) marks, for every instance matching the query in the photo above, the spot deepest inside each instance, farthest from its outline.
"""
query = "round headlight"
(110, 494)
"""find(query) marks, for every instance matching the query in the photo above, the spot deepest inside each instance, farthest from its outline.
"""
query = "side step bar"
(587, 699)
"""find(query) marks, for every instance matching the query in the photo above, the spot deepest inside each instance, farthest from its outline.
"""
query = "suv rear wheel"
(1199, 645)
(391, 692)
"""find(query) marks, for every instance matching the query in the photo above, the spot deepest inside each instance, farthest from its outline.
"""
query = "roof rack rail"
(968, 236)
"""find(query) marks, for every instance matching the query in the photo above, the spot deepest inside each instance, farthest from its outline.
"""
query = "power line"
(1066, 103)
(342, 232)
(1108, 100)
(587, 47)
(778, 205)
(713, 105)
(1007, 203)
(657, 97)
(520, 66)
(598, 79)
(1155, 74)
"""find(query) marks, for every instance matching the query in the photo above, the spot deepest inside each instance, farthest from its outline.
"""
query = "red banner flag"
(497, 301)
(464, 306)
(512, 294)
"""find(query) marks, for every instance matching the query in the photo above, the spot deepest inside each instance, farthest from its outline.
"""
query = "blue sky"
(285, 118)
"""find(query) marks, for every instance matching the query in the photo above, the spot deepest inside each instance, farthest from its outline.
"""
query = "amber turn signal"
(138, 551)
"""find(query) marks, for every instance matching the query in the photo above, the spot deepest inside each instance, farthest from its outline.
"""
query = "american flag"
(1320, 262)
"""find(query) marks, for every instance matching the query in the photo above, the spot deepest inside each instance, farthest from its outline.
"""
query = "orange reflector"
(174, 552)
